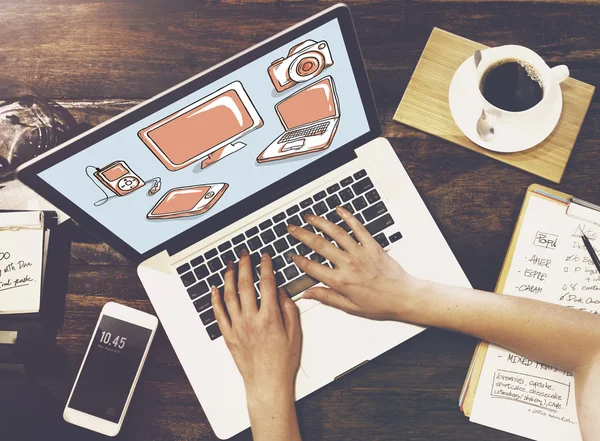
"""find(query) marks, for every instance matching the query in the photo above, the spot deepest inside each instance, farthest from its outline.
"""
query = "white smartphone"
(110, 369)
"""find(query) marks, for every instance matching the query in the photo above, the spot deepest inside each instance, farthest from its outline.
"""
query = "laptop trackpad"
(333, 341)
(294, 145)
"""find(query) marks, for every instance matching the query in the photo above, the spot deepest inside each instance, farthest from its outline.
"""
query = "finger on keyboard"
(246, 284)
(232, 300)
(313, 272)
(333, 231)
(219, 311)
(318, 243)
(268, 288)
(362, 234)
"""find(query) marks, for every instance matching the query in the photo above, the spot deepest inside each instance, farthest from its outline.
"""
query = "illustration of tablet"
(187, 201)
(212, 126)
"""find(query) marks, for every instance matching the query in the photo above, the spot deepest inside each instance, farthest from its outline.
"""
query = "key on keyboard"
(255, 243)
(183, 268)
(224, 246)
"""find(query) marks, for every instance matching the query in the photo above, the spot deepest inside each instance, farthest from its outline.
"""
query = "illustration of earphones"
(120, 180)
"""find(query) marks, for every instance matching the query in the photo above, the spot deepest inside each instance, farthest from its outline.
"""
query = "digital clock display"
(110, 368)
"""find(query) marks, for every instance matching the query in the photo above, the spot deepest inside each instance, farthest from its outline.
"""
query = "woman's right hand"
(365, 280)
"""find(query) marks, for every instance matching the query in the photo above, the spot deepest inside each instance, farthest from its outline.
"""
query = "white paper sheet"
(550, 263)
(21, 257)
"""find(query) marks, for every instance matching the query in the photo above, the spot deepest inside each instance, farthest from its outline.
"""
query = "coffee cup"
(515, 86)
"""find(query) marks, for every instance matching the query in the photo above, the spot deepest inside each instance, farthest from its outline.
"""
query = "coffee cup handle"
(560, 73)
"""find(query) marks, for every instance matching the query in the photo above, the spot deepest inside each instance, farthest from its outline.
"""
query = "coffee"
(512, 85)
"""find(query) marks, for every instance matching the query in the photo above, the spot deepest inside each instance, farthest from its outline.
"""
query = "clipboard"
(574, 207)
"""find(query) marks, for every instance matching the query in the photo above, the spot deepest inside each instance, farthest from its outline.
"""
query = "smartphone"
(110, 369)
(187, 201)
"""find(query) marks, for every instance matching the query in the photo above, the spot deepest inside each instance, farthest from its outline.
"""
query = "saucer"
(463, 98)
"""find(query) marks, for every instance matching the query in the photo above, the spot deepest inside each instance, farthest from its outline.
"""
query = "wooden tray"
(424, 106)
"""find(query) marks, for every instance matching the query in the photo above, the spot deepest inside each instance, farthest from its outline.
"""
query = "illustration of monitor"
(207, 130)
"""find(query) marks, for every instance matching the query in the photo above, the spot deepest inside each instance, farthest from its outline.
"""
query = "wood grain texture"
(100, 58)
(424, 106)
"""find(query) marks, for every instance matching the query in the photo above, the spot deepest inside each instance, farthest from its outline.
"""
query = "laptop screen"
(190, 160)
(315, 102)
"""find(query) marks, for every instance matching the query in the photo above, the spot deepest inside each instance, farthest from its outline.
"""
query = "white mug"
(549, 79)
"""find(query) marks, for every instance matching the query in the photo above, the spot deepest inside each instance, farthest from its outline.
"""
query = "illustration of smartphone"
(187, 201)
(110, 369)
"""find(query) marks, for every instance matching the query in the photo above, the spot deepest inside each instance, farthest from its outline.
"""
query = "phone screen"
(181, 200)
(110, 368)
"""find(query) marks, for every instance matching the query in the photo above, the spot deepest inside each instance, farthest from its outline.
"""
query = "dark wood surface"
(100, 58)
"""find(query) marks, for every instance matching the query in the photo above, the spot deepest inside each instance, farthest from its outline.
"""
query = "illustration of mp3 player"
(119, 178)
(187, 201)
(304, 62)
(207, 130)
(310, 118)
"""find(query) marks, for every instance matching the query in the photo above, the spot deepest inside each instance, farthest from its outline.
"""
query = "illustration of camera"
(304, 62)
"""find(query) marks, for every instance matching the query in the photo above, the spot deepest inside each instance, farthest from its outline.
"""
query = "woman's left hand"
(264, 340)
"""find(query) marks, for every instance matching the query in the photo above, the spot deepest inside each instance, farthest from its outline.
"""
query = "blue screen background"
(126, 216)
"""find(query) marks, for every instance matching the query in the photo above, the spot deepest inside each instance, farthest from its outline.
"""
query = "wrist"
(412, 298)
(267, 396)
(269, 402)
(273, 414)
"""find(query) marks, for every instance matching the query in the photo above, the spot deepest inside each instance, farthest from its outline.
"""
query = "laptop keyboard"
(317, 129)
(356, 193)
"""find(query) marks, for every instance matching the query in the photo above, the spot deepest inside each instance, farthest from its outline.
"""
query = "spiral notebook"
(547, 261)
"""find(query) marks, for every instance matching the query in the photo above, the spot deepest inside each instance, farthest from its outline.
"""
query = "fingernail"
(291, 227)
(230, 264)
(213, 290)
(264, 256)
(309, 217)
(244, 252)
(341, 210)
(295, 257)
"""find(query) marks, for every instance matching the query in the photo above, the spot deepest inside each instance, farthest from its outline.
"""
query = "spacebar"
(299, 285)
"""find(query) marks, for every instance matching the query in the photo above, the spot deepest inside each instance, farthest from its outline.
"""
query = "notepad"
(547, 261)
(21, 261)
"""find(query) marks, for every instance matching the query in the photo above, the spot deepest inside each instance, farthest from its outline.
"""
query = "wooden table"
(100, 58)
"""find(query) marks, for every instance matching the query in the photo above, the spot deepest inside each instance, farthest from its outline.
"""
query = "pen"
(590, 249)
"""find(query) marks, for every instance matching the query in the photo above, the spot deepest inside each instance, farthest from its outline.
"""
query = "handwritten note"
(550, 263)
(21, 256)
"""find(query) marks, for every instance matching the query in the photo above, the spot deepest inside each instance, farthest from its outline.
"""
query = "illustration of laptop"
(178, 264)
(310, 118)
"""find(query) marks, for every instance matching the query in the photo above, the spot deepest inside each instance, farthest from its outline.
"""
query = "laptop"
(201, 216)
(310, 117)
